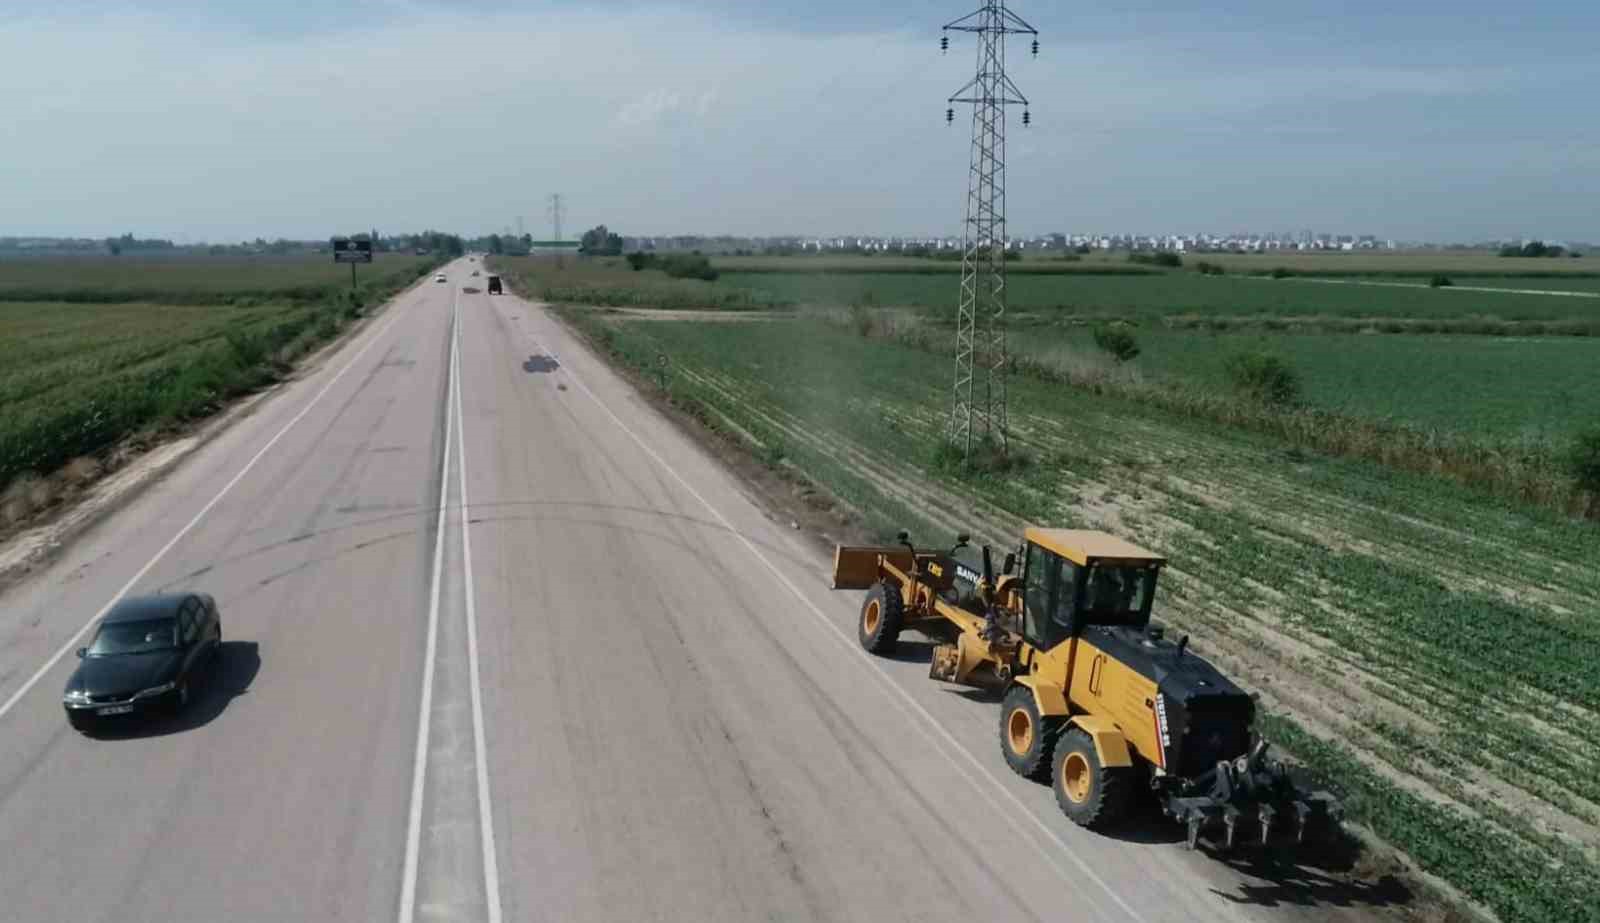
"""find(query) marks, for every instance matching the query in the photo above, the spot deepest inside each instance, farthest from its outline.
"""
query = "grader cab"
(1094, 699)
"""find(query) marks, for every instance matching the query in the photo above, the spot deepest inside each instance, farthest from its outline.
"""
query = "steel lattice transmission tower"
(557, 212)
(979, 407)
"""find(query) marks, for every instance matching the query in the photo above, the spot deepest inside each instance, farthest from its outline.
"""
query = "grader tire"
(1026, 737)
(882, 614)
(1091, 795)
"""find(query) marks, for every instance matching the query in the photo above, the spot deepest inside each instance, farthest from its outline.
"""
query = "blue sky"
(207, 120)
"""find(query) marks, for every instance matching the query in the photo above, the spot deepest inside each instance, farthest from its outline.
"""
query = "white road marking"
(419, 765)
(985, 782)
(72, 641)
(491, 867)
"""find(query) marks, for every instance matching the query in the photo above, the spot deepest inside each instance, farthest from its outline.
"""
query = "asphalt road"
(501, 643)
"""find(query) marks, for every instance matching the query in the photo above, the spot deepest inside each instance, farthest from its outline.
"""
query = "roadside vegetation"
(196, 280)
(100, 362)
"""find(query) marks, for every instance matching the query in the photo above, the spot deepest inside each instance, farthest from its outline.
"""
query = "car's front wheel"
(81, 722)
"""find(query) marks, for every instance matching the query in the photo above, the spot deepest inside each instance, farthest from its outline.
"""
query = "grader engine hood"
(1218, 774)
(1201, 716)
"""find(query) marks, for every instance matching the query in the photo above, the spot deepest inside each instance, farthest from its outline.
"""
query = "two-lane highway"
(502, 643)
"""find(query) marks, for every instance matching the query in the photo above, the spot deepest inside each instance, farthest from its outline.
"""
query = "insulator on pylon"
(1027, 118)
(1036, 48)
(944, 44)
(949, 116)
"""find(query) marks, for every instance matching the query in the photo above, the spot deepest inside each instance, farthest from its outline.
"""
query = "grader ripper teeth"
(1094, 698)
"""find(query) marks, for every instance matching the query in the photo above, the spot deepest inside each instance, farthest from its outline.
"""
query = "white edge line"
(139, 575)
(419, 765)
(491, 866)
(989, 784)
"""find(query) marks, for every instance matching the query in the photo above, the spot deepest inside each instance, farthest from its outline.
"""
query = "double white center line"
(454, 439)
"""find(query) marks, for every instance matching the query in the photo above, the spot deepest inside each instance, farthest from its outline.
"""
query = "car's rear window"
(134, 637)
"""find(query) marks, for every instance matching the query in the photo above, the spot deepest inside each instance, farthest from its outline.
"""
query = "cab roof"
(1085, 546)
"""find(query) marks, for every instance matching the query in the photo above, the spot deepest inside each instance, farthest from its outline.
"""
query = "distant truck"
(494, 286)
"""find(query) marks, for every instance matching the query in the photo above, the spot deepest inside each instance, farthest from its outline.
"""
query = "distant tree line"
(1536, 248)
(503, 244)
(127, 242)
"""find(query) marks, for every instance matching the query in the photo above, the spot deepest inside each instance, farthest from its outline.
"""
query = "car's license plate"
(115, 710)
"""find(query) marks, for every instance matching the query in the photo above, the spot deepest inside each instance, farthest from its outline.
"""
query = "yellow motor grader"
(1094, 699)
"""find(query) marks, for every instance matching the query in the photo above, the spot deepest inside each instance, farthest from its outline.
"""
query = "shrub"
(1278, 272)
(640, 261)
(689, 266)
(1209, 269)
(1263, 377)
(1583, 460)
(1440, 281)
(1117, 341)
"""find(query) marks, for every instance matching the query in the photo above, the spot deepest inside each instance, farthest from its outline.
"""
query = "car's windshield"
(134, 637)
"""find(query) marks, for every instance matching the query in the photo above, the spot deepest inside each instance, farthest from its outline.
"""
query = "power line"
(980, 415)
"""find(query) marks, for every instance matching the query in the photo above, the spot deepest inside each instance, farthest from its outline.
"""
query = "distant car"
(474, 272)
(440, 278)
(494, 286)
(145, 655)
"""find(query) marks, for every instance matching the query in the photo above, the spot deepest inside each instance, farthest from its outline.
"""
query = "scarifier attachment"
(1254, 785)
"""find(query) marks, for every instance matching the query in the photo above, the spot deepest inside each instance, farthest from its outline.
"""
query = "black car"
(144, 656)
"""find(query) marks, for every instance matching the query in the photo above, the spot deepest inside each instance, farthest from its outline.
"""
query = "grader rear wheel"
(1091, 795)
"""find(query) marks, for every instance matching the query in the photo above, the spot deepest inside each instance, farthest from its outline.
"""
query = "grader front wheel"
(1026, 737)
(882, 614)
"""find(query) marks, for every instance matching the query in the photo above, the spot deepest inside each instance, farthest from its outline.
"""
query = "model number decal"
(1161, 720)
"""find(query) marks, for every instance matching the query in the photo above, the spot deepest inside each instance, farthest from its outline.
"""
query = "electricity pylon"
(979, 407)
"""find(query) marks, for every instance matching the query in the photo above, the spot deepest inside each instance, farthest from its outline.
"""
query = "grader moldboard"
(1094, 699)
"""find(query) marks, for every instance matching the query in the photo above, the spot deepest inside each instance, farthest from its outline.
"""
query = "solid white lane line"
(491, 867)
(72, 641)
(983, 780)
(419, 764)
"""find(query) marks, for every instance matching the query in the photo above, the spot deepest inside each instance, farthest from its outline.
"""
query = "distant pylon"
(557, 210)
(981, 309)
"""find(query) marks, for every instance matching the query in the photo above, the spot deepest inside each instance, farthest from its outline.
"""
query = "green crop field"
(1164, 295)
(1524, 389)
(1425, 648)
(122, 345)
(194, 279)
(1537, 390)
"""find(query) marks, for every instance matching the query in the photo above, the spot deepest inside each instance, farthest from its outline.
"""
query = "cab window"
(1049, 600)
(1118, 594)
